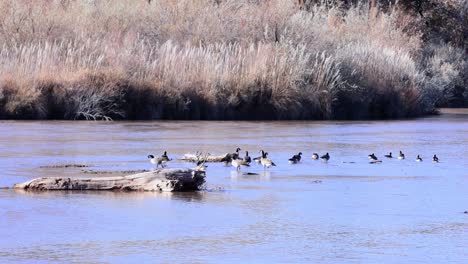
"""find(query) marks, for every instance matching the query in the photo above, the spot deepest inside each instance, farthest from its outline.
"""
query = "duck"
(401, 156)
(419, 159)
(315, 156)
(389, 156)
(237, 163)
(247, 157)
(162, 160)
(266, 162)
(295, 159)
(325, 157)
(435, 159)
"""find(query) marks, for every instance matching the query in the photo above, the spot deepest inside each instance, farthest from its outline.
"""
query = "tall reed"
(202, 59)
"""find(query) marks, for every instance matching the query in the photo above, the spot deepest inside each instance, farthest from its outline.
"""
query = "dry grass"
(195, 59)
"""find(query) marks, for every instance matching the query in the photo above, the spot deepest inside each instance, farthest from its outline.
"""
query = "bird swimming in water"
(435, 159)
(401, 156)
(389, 155)
(419, 159)
(266, 162)
(315, 156)
(295, 159)
(374, 158)
(325, 157)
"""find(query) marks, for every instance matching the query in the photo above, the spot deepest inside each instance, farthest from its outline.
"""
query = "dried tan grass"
(198, 59)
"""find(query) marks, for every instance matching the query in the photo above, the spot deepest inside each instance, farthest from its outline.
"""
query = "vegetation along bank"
(232, 59)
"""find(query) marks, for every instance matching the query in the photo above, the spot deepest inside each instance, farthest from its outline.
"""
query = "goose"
(418, 159)
(401, 156)
(389, 155)
(235, 155)
(315, 156)
(374, 159)
(258, 159)
(201, 166)
(162, 160)
(247, 157)
(325, 157)
(237, 163)
(266, 162)
(435, 159)
(230, 156)
(295, 159)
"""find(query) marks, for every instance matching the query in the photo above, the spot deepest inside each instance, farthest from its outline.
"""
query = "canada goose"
(435, 159)
(401, 156)
(162, 160)
(201, 166)
(226, 159)
(230, 156)
(266, 162)
(295, 159)
(418, 159)
(235, 155)
(258, 159)
(372, 156)
(325, 157)
(315, 156)
(247, 157)
(389, 155)
(237, 163)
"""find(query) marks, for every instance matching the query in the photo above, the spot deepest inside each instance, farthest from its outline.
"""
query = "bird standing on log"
(162, 160)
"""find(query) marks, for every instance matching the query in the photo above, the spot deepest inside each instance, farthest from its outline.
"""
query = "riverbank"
(222, 60)
(107, 96)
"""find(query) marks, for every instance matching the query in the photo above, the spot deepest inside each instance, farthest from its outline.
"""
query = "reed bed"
(203, 59)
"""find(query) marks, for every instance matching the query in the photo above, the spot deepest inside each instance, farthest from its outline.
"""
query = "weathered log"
(169, 180)
(195, 158)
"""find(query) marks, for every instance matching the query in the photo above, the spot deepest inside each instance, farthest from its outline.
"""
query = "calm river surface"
(343, 211)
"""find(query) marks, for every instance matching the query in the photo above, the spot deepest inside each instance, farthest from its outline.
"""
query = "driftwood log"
(195, 158)
(169, 180)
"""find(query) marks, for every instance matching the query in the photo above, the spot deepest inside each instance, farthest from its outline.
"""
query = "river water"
(343, 211)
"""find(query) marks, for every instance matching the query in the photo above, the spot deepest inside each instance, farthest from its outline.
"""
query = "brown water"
(313, 212)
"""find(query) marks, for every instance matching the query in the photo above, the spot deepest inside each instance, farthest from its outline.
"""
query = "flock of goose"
(236, 161)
